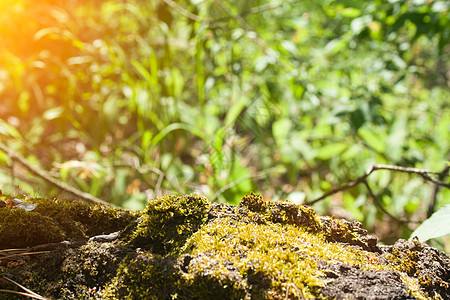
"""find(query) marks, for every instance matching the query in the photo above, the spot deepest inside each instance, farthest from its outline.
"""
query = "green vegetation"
(130, 100)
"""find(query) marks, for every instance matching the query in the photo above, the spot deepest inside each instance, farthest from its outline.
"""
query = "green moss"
(58, 220)
(283, 212)
(408, 259)
(20, 229)
(287, 254)
(141, 277)
(81, 218)
(260, 249)
(168, 221)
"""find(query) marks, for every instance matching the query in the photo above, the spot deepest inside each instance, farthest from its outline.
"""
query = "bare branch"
(342, 188)
(254, 10)
(403, 169)
(71, 190)
(380, 206)
(422, 172)
(184, 12)
(434, 193)
(29, 293)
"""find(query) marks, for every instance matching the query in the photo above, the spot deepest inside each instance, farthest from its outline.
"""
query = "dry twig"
(257, 9)
(27, 293)
(425, 174)
(42, 174)
(434, 193)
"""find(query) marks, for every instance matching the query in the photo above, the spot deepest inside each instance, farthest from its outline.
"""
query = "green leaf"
(335, 46)
(351, 12)
(331, 150)
(436, 226)
(289, 46)
(53, 113)
(217, 156)
(142, 70)
(372, 139)
(235, 111)
(298, 89)
(361, 23)
(280, 130)
(8, 130)
(146, 139)
(396, 138)
(169, 129)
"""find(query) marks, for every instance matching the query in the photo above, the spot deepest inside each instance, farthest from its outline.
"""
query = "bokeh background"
(132, 99)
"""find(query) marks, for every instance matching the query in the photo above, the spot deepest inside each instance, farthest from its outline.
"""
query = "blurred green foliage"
(133, 99)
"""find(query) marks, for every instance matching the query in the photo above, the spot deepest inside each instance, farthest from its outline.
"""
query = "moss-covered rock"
(168, 221)
(183, 247)
(55, 220)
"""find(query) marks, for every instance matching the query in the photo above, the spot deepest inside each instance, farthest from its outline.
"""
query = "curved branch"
(422, 172)
(65, 187)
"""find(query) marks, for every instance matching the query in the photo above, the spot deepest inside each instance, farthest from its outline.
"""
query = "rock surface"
(183, 247)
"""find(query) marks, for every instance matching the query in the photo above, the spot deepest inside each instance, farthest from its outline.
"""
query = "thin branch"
(29, 293)
(22, 294)
(71, 190)
(158, 185)
(422, 172)
(403, 169)
(12, 250)
(341, 188)
(436, 182)
(144, 169)
(184, 12)
(380, 206)
(254, 10)
(434, 193)
(21, 254)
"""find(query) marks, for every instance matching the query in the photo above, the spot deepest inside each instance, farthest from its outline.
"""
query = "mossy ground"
(183, 247)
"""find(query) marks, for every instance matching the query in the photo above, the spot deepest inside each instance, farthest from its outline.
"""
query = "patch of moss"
(58, 220)
(235, 259)
(90, 219)
(287, 254)
(145, 276)
(259, 249)
(20, 229)
(168, 221)
(153, 276)
(283, 212)
(352, 233)
(419, 261)
(95, 262)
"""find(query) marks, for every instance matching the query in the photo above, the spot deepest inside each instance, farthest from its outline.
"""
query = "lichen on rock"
(183, 247)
